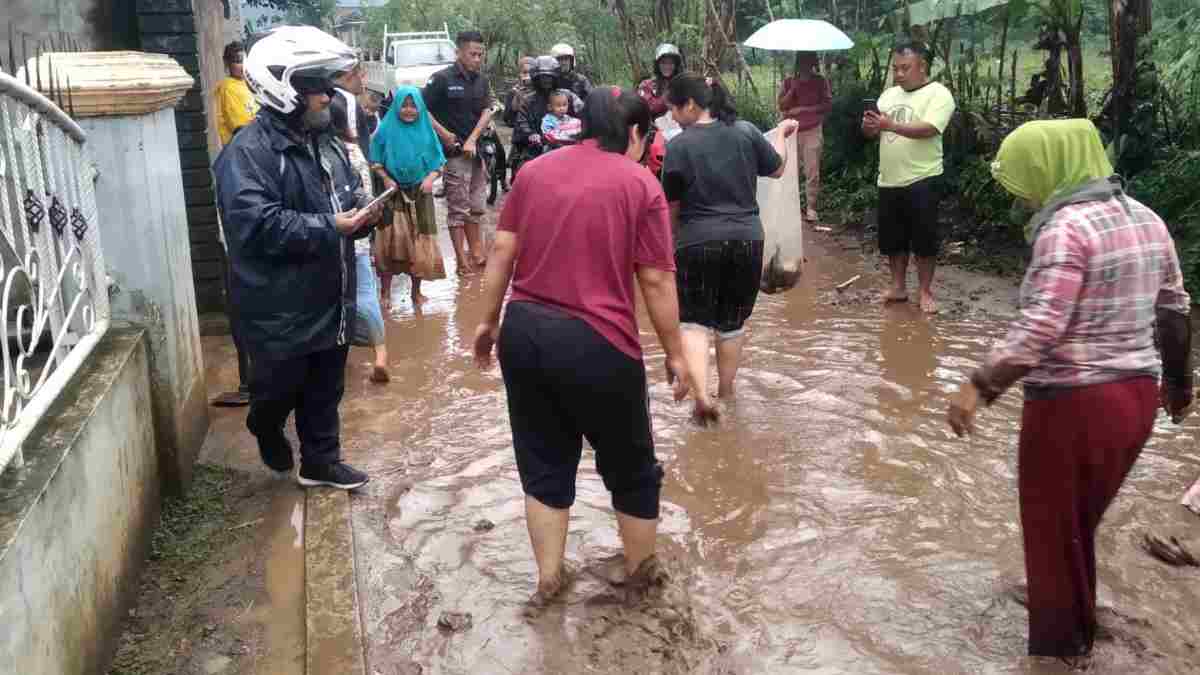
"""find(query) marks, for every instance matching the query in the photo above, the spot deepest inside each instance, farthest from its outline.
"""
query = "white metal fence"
(53, 284)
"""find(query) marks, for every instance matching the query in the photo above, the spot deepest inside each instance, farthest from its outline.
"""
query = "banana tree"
(1062, 22)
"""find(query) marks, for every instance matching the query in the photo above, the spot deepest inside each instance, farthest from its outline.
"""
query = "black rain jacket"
(292, 277)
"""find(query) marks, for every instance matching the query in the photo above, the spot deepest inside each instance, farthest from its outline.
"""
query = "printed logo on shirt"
(901, 114)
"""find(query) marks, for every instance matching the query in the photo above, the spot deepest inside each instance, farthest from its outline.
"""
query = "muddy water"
(830, 523)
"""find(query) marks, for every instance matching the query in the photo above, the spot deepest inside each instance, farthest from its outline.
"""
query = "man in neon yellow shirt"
(235, 108)
(909, 121)
(235, 105)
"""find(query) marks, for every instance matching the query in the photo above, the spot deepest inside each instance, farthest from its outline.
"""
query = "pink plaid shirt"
(1099, 271)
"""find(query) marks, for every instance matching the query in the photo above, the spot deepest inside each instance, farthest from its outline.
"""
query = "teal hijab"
(408, 150)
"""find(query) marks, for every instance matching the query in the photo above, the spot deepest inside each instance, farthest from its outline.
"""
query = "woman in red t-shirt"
(569, 347)
(807, 99)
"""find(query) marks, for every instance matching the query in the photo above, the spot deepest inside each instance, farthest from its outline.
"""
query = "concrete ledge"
(75, 522)
(335, 642)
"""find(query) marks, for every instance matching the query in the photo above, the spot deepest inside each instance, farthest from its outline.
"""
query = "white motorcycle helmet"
(562, 49)
(292, 61)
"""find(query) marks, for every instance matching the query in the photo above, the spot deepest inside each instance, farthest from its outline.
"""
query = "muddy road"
(830, 524)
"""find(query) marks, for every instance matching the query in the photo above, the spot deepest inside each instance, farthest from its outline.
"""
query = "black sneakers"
(338, 475)
(277, 455)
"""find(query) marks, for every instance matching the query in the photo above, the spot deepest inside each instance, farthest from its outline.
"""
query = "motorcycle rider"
(668, 64)
(287, 194)
(527, 139)
(569, 78)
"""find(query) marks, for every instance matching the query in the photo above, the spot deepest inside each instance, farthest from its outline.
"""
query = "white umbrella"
(800, 35)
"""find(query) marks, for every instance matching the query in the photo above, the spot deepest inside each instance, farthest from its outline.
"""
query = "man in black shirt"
(568, 78)
(460, 102)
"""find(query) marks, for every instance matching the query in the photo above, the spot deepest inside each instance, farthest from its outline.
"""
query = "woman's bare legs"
(385, 292)
(379, 373)
(417, 298)
(729, 357)
(695, 355)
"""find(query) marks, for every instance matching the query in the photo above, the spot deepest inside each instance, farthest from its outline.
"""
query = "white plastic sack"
(667, 126)
(780, 209)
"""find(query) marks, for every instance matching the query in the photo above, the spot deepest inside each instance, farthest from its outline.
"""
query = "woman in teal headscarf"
(406, 154)
(1103, 281)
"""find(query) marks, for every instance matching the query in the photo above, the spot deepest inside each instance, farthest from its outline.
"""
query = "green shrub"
(1168, 187)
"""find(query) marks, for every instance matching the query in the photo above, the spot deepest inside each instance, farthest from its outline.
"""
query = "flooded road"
(830, 524)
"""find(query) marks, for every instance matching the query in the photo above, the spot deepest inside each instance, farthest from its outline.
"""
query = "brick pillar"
(171, 27)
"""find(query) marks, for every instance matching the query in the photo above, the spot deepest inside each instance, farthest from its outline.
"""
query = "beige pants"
(465, 181)
(809, 144)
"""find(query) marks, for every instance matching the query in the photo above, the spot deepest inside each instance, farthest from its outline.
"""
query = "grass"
(190, 525)
(192, 530)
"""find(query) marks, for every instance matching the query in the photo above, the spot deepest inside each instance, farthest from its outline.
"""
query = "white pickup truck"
(409, 58)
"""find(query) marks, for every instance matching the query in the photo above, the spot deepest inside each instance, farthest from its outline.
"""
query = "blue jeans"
(368, 324)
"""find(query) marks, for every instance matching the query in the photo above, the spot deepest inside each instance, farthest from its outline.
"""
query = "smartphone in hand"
(870, 105)
(379, 200)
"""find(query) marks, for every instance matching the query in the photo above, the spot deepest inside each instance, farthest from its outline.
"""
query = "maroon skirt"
(1076, 447)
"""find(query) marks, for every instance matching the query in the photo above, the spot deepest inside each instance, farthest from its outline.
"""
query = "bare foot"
(418, 299)
(379, 375)
(1191, 499)
(894, 295)
(481, 263)
(705, 412)
(928, 304)
(548, 591)
(647, 579)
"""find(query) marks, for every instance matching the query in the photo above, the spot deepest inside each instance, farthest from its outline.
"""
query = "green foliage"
(759, 110)
(311, 12)
(1169, 187)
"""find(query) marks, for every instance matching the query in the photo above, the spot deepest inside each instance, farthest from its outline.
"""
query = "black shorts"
(908, 219)
(566, 382)
(718, 283)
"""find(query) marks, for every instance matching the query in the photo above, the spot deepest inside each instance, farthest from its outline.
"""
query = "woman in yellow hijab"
(1103, 275)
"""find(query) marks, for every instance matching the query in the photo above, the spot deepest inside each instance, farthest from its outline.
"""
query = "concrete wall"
(146, 250)
(75, 523)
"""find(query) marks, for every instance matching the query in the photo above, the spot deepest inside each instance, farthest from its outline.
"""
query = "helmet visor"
(318, 78)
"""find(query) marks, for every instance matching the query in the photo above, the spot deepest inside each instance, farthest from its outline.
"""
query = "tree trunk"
(1077, 102)
(1003, 53)
(1123, 19)
(664, 15)
(1075, 99)
(719, 39)
(1054, 103)
(628, 38)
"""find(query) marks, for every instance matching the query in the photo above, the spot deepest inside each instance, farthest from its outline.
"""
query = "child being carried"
(558, 127)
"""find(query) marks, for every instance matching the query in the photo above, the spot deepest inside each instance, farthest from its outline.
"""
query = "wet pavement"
(831, 523)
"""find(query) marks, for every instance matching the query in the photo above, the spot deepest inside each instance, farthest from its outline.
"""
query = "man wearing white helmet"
(569, 78)
(288, 198)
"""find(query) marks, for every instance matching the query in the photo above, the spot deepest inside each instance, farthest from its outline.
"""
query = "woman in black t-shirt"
(710, 176)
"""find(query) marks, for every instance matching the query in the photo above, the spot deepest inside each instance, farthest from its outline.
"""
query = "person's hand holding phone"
(870, 123)
(349, 222)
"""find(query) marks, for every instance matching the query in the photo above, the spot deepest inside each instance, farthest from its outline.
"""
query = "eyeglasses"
(308, 86)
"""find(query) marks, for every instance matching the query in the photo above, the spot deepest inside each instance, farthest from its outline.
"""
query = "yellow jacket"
(235, 107)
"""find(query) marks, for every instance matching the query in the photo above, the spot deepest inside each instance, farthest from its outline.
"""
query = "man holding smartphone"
(909, 119)
(287, 194)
